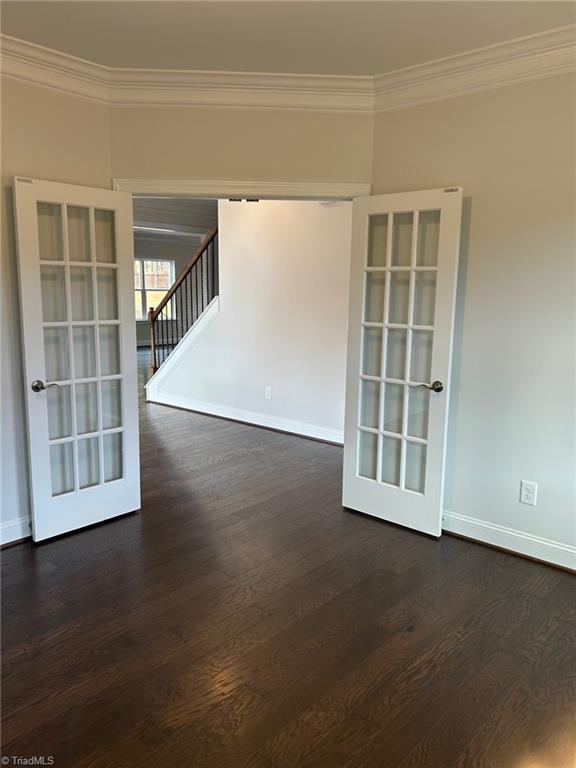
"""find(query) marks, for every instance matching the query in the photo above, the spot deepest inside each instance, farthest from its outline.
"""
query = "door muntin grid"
(81, 323)
(397, 339)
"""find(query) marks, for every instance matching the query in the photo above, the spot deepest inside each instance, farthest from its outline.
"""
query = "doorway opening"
(167, 234)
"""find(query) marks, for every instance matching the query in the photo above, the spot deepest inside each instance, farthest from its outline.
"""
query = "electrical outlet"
(268, 392)
(528, 492)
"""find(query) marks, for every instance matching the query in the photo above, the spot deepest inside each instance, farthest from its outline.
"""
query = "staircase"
(192, 292)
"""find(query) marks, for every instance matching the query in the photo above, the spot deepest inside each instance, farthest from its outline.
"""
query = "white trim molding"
(251, 417)
(536, 547)
(535, 56)
(320, 190)
(16, 529)
(527, 58)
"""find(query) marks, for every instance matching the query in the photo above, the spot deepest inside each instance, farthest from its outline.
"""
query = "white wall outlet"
(528, 492)
(268, 392)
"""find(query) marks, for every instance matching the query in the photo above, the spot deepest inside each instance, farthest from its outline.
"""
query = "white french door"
(77, 299)
(402, 294)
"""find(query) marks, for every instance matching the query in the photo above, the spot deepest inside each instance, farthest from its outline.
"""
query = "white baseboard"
(251, 417)
(523, 543)
(12, 530)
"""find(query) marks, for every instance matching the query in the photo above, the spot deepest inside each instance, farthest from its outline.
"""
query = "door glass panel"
(113, 458)
(367, 454)
(56, 354)
(391, 449)
(105, 236)
(369, 403)
(424, 298)
(418, 405)
(111, 404)
(59, 404)
(393, 407)
(372, 352)
(107, 294)
(421, 357)
(415, 466)
(78, 233)
(81, 293)
(402, 239)
(84, 351)
(86, 408)
(62, 468)
(50, 232)
(374, 307)
(109, 350)
(88, 462)
(377, 238)
(428, 232)
(53, 286)
(399, 297)
(396, 353)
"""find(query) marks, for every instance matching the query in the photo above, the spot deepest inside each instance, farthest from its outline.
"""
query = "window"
(152, 279)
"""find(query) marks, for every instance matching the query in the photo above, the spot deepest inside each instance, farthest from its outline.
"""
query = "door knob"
(39, 386)
(436, 386)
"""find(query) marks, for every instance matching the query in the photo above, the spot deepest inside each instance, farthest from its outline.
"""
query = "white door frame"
(300, 190)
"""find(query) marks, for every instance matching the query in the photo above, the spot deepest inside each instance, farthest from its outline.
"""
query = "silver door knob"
(436, 386)
(39, 386)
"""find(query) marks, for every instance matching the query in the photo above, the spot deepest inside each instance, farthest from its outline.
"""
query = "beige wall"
(240, 144)
(512, 412)
(512, 149)
(47, 135)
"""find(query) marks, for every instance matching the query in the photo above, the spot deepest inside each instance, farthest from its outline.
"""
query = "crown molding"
(527, 58)
(243, 189)
(33, 63)
(42, 66)
(536, 56)
(147, 87)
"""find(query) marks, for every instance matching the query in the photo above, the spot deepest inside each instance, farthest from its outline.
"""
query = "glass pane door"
(76, 265)
(397, 332)
(81, 345)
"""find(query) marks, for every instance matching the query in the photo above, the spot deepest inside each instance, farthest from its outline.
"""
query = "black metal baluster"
(197, 292)
(213, 290)
(216, 267)
(181, 312)
(184, 285)
(202, 276)
(210, 284)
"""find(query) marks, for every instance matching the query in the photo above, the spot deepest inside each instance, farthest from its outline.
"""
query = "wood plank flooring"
(244, 620)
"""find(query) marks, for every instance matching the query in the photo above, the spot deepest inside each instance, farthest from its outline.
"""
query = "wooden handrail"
(182, 276)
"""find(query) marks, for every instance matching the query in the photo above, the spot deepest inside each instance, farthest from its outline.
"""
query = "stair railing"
(192, 292)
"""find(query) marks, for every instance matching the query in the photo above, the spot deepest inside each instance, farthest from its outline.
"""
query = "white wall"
(284, 270)
(512, 413)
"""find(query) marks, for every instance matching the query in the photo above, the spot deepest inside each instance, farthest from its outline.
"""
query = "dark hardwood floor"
(243, 619)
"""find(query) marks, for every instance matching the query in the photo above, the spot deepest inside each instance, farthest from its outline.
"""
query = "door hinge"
(451, 189)
(23, 180)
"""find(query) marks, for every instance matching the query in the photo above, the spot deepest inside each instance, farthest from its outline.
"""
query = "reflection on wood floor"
(243, 619)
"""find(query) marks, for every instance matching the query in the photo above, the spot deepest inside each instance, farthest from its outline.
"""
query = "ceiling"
(194, 218)
(337, 38)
